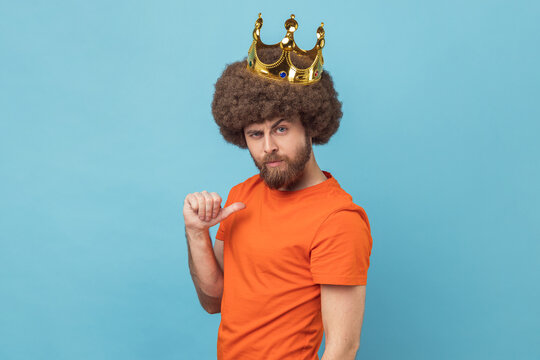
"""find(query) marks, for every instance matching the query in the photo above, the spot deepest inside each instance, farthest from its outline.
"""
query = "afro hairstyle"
(242, 97)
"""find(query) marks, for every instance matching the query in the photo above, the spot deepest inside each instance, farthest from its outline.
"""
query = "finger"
(192, 203)
(209, 204)
(217, 204)
(226, 212)
(202, 205)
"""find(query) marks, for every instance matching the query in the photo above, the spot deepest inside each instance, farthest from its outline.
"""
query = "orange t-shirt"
(276, 253)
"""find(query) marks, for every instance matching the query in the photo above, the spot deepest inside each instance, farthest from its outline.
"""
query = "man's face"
(280, 148)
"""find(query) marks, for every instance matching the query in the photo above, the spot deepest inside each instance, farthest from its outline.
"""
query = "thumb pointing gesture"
(202, 210)
(229, 210)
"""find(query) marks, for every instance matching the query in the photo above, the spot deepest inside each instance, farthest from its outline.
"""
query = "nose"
(270, 145)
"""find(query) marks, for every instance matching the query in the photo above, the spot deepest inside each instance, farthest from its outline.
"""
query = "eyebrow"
(277, 123)
(273, 126)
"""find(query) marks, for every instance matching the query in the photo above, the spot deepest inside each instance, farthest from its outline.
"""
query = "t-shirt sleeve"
(341, 248)
(222, 232)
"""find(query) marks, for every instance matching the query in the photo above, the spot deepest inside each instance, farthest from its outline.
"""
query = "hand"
(202, 210)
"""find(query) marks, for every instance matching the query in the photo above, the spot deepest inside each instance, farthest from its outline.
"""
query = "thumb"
(226, 212)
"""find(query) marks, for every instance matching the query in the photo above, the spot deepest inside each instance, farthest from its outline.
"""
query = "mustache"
(270, 159)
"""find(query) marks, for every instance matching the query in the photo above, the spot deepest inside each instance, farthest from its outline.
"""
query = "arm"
(342, 308)
(202, 211)
(206, 269)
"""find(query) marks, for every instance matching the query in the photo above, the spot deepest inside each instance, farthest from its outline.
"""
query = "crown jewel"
(283, 69)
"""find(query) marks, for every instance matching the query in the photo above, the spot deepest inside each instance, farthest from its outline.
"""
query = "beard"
(287, 173)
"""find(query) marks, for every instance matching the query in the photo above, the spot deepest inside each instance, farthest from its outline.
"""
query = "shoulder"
(344, 231)
(342, 208)
(245, 186)
(346, 217)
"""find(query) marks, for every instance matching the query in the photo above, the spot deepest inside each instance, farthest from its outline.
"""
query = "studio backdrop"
(105, 127)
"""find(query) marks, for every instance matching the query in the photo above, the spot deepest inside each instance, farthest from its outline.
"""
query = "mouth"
(274, 163)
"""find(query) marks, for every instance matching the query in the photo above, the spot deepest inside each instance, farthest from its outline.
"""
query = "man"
(292, 250)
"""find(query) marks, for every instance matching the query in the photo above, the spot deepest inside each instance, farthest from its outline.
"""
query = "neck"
(312, 175)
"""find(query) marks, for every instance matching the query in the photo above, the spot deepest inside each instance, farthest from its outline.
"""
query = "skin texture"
(282, 138)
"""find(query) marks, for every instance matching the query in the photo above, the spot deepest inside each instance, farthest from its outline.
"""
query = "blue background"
(106, 127)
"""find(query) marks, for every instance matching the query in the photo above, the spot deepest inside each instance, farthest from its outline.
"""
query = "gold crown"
(283, 68)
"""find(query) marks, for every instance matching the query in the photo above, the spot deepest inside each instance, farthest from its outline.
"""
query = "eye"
(281, 129)
(255, 134)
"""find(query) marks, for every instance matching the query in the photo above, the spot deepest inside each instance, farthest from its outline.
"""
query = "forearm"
(205, 271)
(339, 351)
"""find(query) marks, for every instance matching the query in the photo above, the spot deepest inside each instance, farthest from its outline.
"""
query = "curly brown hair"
(242, 97)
